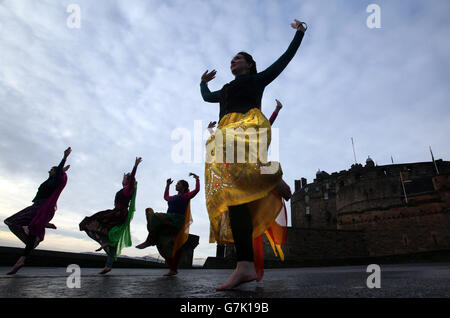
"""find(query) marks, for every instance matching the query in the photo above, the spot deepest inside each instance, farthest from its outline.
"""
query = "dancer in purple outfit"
(29, 224)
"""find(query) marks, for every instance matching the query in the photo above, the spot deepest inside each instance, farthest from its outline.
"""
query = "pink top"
(186, 196)
(129, 189)
(273, 117)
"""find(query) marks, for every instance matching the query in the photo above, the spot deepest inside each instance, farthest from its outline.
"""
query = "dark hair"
(250, 60)
(185, 184)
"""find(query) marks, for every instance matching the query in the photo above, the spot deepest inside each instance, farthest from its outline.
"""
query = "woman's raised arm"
(269, 74)
(128, 190)
(208, 96)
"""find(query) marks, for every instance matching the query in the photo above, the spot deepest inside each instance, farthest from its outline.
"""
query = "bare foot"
(244, 273)
(20, 263)
(149, 241)
(105, 270)
(102, 247)
(143, 245)
(171, 273)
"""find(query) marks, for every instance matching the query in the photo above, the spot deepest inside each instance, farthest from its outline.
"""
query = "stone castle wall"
(372, 212)
(317, 244)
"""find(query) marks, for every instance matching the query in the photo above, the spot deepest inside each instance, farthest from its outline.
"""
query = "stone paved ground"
(403, 281)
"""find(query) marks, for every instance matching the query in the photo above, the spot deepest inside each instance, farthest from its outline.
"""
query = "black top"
(46, 189)
(245, 91)
(121, 199)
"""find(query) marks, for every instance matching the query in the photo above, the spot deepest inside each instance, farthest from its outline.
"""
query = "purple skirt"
(23, 218)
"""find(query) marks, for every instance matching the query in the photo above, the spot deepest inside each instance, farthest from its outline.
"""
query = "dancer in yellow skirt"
(243, 190)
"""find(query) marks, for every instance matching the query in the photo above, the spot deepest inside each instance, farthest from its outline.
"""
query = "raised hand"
(67, 152)
(169, 181)
(279, 105)
(138, 161)
(66, 168)
(194, 175)
(302, 26)
(206, 77)
(212, 124)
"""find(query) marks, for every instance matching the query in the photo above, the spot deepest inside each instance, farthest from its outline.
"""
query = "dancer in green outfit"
(111, 228)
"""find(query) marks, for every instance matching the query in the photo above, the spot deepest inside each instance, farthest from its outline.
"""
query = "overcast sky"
(124, 82)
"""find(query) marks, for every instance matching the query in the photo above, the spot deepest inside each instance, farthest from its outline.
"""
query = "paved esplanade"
(410, 280)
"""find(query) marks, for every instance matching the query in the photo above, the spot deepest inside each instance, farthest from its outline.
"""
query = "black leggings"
(242, 229)
(31, 242)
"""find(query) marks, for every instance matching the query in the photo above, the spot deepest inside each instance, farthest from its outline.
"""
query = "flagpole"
(403, 186)
(434, 162)
(354, 154)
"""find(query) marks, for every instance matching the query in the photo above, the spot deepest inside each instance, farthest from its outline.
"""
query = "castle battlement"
(401, 208)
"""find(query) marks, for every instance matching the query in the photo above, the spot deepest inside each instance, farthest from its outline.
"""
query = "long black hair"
(249, 59)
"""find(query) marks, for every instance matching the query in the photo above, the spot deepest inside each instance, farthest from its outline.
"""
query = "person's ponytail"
(249, 59)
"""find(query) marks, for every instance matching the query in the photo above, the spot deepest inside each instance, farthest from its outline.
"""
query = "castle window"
(328, 216)
(433, 235)
(307, 211)
(405, 240)
(325, 196)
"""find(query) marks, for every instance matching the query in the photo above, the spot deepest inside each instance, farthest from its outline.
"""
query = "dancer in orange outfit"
(169, 231)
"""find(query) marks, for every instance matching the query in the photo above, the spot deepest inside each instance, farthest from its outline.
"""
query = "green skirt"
(163, 228)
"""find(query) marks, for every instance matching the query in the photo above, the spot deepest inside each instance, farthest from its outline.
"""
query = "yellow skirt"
(234, 177)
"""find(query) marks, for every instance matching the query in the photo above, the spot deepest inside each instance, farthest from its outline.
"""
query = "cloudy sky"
(126, 82)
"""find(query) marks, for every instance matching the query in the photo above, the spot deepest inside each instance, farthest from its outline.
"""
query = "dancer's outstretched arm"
(59, 170)
(275, 112)
(265, 77)
(166, 191)
(194, 192)
(208, 96)
(128, 190)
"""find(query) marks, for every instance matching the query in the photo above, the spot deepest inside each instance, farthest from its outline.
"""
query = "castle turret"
(369, 162)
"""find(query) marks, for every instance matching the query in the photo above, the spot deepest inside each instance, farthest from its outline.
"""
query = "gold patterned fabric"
(234, 177)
